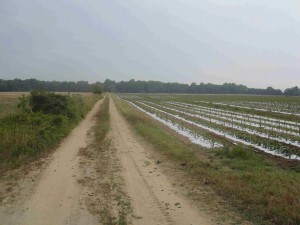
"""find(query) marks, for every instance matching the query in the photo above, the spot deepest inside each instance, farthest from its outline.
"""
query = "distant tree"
(193, 88)
(272, 91)
(140, 87)
(97, 88)
(109, 85)
(82, 86)
(294, 91)
(33, 84)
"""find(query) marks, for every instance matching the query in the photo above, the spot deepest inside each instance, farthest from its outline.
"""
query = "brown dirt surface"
(153, 197)
(56, 198)
(117, 183)
(102, 182)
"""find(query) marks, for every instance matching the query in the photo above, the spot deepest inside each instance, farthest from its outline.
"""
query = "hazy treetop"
(253, 42)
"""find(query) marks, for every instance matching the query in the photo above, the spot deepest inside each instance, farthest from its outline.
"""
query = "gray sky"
(253, 42)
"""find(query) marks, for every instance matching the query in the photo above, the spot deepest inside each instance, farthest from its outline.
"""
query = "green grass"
(24, 135)
(161, 140)
(116, 204)
(103, 122)
(252, 184)
(8, 109)
(261, 189)
(8, 105)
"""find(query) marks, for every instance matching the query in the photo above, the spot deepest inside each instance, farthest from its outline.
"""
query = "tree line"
(33, 84)
(133, 86)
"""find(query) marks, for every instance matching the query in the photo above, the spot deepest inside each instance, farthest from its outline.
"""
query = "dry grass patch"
(101, 176)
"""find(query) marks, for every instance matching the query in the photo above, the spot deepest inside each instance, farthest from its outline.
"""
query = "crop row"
(288, 108)
(252, 117)
(240, 127)
(192, 135)
(287, 132)
(239, 133)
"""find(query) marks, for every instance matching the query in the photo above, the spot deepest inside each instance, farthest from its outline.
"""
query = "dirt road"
(59, 198)
(56, 199)
(153, 197)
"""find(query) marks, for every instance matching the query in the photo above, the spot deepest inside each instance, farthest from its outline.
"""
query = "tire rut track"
(162, 211)
(153, 198)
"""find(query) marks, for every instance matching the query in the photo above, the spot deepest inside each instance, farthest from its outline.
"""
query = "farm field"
(249, 157)
(9, 102)
(140, 143)
(150, 112)
(265, 123)
(83, 182)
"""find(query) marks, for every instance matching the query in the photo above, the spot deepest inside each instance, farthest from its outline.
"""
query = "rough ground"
(153, 197)
(83, 184)
(56, 197)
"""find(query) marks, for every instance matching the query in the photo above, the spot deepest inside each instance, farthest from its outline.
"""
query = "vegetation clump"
(45, 119)
(49, 103)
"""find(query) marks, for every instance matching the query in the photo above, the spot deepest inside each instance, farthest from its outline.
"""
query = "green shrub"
(46, 119)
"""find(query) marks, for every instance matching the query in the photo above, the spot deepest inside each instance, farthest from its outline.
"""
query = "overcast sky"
(252, 42)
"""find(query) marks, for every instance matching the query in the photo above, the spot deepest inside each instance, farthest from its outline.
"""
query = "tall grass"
(103, 123)
(251, 183)
(23, 135)
(8, 105)
(8, 109)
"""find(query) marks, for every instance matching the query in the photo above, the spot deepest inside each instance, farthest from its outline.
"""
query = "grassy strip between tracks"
(114, 207)
(45, 119)
(263, 192)
(102, 123)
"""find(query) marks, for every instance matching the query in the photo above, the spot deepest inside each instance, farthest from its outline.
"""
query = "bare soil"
(56, 196)
(81, 185)
(154, 198)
